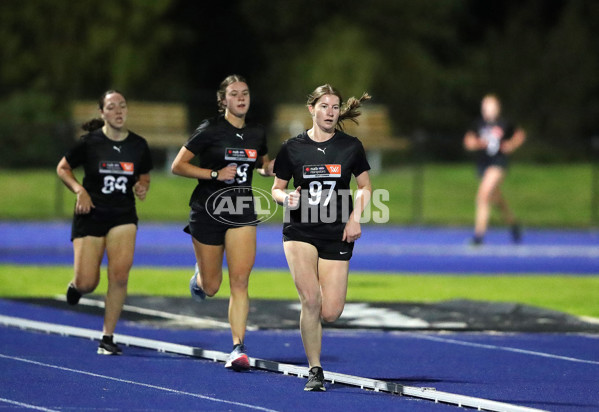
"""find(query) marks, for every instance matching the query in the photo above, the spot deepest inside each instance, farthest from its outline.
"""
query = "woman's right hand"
(292, 200)
(84, 203)
(227, 173)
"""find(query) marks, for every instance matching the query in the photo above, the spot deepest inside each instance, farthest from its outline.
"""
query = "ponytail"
(351, 110)
(92, 124)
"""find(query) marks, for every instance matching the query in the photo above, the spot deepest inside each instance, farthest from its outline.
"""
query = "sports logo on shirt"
(241, 155)
(312, 171)
(116, 168)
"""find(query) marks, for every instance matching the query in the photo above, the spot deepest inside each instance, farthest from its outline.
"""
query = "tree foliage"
(429, 61)
(55, 50)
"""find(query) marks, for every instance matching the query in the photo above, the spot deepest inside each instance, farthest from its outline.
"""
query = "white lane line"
(504, 348)
(145, 385)
(544, 251)
(440, 250)
(27, 405)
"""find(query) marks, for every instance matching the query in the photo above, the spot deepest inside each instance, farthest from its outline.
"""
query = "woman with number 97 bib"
(321, 228)
(222, 219)
(117, 166)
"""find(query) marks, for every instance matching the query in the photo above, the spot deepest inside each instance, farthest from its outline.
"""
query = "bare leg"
(490, 181)
(504, 208)
(332, 275)
(240, 245)
(88, 253)
(210, 262)
(120, 246)
(302, 259)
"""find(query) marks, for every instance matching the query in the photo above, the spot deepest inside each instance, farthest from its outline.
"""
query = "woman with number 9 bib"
(222, 219)
(320, 226)
(116, 165)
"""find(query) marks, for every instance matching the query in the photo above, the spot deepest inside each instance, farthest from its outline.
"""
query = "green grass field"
(571, 294)
(548, 195)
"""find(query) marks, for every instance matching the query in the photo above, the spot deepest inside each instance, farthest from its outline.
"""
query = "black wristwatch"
(214, 174)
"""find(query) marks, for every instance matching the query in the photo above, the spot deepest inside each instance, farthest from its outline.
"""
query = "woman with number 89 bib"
(116, 164)
(322, 220)
(222, 219)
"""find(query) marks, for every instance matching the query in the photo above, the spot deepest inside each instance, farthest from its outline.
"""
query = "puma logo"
(239, 135)
(117, 148)
(321, 149)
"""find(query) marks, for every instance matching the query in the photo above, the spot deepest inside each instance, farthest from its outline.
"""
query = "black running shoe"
(73, 295)
(315, 380)
(108, 347)
(516, 232)
(476, 240)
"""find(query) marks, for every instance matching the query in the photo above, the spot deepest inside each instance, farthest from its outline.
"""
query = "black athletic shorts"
(94, 224)
(483, 164)
(205, 229)
(327, 248)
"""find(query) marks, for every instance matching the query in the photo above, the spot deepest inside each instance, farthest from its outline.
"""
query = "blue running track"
(549, 371)
(381, 248)
(544, 371)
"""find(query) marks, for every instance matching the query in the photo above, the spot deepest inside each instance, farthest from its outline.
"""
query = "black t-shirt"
(323, 170)
(218, 143)
(493, 133)
(111, 169)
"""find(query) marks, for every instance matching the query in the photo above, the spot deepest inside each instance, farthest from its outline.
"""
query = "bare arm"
(280, 195)
(267, 167)
(472, 142)
(182, 167)
(65, 173)
(142, 186)
(353, 230)
(515, 142)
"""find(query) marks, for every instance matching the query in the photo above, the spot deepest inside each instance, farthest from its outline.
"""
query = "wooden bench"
(163, 125)
(374, 129)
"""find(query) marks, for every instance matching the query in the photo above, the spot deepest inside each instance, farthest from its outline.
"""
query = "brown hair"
(349, 110)
(96, 123)
(222, 89)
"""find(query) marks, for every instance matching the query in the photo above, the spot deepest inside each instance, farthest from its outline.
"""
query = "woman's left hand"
(352, 231)
(140, 190)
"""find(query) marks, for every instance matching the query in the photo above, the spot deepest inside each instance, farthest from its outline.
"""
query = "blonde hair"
(349, 110)
(221, 93)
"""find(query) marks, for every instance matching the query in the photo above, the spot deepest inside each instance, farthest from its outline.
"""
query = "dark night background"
(428, 61)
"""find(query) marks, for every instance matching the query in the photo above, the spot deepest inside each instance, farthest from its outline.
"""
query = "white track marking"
(145, 385)
(545, 251)
(517, 251)
(179, 319)
(27, 405)
(504, 348)
(273, 366)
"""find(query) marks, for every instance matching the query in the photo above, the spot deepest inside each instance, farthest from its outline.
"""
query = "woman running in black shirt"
(222, 218)
(116, 163)
(493, 139)
(320, 229)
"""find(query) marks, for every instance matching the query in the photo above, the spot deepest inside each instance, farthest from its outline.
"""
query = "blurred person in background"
(229, 149)
(116, 164)
(493, 139)
(320, 227)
